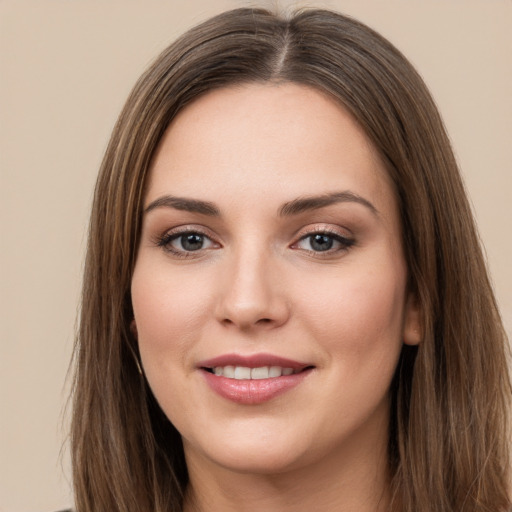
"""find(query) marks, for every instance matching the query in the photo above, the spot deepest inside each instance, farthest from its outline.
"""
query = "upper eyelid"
(188, 228)
(323, 228)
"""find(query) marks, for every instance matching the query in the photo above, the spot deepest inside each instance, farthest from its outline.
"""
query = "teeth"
(275, 371)
(245, 373)
(259, 373)
(242, 373)
(228, 371)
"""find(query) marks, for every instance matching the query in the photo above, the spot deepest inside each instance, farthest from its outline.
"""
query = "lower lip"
(253, 391)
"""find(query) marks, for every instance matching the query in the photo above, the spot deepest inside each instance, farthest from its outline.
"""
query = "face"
(269, 291)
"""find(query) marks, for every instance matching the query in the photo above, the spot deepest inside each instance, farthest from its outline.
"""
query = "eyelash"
(165, 242)
(344, 242)
(167, 238)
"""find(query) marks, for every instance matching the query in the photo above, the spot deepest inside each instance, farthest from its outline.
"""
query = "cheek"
(170, 312)
(358, 315)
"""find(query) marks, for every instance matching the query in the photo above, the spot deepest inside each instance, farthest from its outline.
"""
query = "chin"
(254, 460)
(259, 449)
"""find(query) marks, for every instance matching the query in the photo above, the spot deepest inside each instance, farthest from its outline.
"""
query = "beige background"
(66, 68)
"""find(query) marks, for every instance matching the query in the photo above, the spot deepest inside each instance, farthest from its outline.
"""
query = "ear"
(412, 331)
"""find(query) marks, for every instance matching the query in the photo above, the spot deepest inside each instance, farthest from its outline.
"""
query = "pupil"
(192, 242)
(321, 242)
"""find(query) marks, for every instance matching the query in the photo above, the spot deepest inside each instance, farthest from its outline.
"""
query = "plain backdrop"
(66, 68)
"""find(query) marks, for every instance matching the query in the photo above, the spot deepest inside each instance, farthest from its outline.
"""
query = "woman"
(285, 305)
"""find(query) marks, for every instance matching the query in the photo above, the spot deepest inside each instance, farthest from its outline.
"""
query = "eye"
(324, 242)
(185, 242)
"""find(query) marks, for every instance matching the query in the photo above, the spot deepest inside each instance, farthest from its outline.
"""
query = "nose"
(253, 296)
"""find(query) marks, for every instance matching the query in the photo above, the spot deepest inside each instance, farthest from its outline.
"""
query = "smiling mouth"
(258, 373)
(253, 379)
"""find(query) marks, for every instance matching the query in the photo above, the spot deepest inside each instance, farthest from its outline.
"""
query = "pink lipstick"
(252, 379)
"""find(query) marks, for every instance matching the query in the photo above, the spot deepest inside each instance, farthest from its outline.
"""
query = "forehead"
(266, 140)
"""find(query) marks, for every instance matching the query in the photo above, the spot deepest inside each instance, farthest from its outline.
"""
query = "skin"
(258, 285)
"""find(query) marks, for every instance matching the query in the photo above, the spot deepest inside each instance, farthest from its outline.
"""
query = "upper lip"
(252, 361)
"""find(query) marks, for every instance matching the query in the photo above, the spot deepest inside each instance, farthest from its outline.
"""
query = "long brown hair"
(448, 434)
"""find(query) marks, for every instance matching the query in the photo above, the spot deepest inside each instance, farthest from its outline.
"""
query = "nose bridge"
(251, 294)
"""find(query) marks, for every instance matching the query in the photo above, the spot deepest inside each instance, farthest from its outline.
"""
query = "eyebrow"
(184, 204)
(295, 207)
(303, 204)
